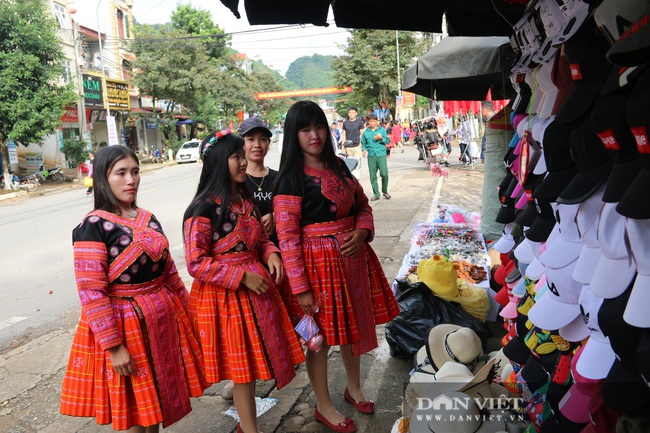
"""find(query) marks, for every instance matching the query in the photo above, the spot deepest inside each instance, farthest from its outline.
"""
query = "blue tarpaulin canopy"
(184, 122)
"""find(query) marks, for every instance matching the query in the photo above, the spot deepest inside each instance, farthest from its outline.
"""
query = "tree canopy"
(32, 94)
(199, 22)
(369, 65)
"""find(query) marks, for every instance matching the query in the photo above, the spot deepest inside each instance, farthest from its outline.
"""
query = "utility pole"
(101, 55)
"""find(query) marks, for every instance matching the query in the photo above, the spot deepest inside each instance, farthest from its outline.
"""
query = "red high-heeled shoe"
(361, 406)
(346, 426)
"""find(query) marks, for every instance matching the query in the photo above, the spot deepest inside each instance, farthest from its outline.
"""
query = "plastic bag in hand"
(309, 333)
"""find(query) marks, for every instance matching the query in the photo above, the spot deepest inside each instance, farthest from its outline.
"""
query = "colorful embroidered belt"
(131, 290)
(329, 228)
(239, 258)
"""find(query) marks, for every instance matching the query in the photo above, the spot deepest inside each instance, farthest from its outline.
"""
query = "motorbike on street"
(53, 175)
(29, 182)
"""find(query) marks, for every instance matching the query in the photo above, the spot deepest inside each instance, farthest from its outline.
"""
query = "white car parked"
(188, 152)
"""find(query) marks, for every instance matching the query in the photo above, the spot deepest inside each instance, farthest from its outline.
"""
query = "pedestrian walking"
(134, 361)
(324, 224)
(373, 144)
(352, 129)
(235, 306)
(397, 135)
(89, 177)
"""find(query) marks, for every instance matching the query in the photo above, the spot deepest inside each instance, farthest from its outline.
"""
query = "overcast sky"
(276, 48)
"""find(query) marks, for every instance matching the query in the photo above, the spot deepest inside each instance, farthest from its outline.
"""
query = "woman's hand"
(255, 282)
(268, 223)
(306, 301)
(276, 268)
(122, 361)
(353, 241)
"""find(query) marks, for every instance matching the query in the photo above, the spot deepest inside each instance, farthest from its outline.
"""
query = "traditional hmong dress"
(352, 292)
(131, 294)
(244, 336)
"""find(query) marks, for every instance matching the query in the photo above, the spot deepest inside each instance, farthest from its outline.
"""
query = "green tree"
(176, 73)
(369, 65)
(310, 72)
(199, 22)
(271, 110)
(32, 96)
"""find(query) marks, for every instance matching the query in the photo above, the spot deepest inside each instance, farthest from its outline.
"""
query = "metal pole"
(399, 81)
(101, 55)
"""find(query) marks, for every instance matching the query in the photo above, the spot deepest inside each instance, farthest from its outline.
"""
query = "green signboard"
(93, 95)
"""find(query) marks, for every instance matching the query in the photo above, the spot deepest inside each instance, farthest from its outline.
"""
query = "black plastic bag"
(421, 310)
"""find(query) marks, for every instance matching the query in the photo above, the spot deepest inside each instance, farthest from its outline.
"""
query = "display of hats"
(633, 47)
(592, 162)
(575, 403)
(516, 349)
(616, 267)
(545, 83)
(506, 242)
(598, 355)
(559, 305)
(602, 418)
(576, 330)
(445, 415)
(454, 343)
(623, 337)
(609, 120)
(624, 390)
(588, 220)
(636, 312)
(543, 225)
(635, 203)
(561, 76)
(559, 163)
(589, 69)
(614, 17)
(452, 376)
(566, 247)
(524, 252)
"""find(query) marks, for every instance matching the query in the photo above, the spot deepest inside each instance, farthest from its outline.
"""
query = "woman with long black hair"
(324, 224)
(134, 361)
(235, 306)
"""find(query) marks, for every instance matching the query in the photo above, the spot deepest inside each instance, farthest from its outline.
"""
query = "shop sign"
(408, 99)
(118, 95)
(33, 161)
(93, 96)
(151, 125)
(71, 115)
(112, 131)
(13, 152)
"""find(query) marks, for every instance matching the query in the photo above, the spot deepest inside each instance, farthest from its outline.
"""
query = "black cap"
(542, 227)
(633, 47)
(524, 96)
(624, 390)
(506, 213)
(592, 161)
(254, 123)
(609, 120)
(585, 52)
(635, 203)
(559, 164)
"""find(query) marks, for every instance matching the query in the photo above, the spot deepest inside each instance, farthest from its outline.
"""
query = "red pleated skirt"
(225, 324)
(91, 388)
(326, 274)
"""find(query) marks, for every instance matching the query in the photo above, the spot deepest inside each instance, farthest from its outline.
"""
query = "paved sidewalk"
(31, 375)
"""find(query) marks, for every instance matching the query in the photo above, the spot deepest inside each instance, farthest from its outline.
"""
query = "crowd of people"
(265, 249)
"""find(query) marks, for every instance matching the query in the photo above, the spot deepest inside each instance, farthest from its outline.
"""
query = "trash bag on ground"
(421, 310)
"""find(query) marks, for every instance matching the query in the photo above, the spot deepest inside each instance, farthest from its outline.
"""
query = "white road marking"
(11, 321)
(10, 226)
(434, 204)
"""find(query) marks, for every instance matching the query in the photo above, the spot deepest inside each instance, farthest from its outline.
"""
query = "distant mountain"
(309, 72)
